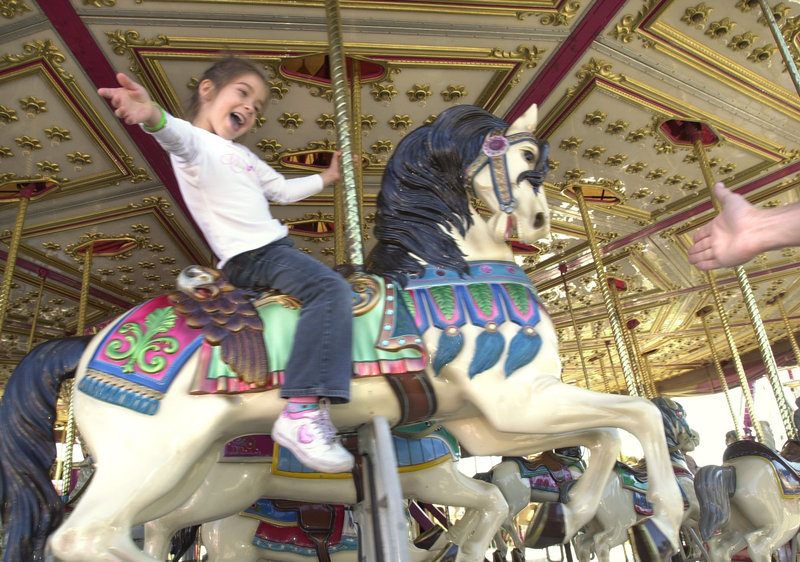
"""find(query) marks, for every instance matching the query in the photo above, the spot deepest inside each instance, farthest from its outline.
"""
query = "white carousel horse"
(428, 472)
(544, 478)
(752, 501)
(486, 353)
(623, 501)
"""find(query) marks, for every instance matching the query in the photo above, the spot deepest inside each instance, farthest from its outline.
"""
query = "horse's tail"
(31, 507)
(714, 486)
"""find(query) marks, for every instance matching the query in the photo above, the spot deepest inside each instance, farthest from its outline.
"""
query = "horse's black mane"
(423, 195)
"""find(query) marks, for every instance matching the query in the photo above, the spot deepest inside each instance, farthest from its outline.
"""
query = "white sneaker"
(312, 438)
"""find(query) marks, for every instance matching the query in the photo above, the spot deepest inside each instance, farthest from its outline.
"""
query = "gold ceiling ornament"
(28, 144)
(57, 135)
(290, 121)
(636, 167)
(40, 50)
(7, 115)
(167, 260)
(419, 93)
(400, 123)
(48, 168)
(368, 121)
(277, 90)
(617, 127)
(565, 13)
(747, 5)
(146, 265)
(101, 3)
(383, 92)
(454, 93)
(6, 152)
(327, 122)
(641, 193)
(32, 106)
(698, 15)
(663, 147)
(11, 8)
(638, 135)
(626, 30)
(656, 174)
(270, 147)
(594, 152)
(431, 119)
(571, 144)
(743, 41)
(616, 160)
(98, 244)
(779, 12)
(721, 28)
(691, 185)
(126, 42)
(79, 160)
(381, 150)
(674, 179)
(595, 118)
(762, 54)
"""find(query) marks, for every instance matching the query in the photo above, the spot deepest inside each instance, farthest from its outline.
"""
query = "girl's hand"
(333, 173)
(131, 102)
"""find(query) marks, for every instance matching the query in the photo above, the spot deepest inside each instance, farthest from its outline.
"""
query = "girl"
(227, 189)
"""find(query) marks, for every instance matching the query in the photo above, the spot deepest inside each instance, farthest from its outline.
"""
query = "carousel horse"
(750, 502)
(544, 478)
(624, 500)
(248, 473)
(161, 389)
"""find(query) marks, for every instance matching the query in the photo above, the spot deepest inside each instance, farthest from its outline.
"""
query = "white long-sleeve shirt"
(227, 188)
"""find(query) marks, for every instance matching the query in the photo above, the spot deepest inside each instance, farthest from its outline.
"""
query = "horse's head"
(507, 176)
(680, 437)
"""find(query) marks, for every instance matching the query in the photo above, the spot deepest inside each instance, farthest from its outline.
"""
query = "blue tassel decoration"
(450, 343)
(524, 347)
(488, 348)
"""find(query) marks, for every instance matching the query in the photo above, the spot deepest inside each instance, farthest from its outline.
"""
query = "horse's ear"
(526, 122)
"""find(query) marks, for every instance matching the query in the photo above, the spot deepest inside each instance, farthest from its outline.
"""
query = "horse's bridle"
(493, 153)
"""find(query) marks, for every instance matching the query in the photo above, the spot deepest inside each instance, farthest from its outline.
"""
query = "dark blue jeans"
(320, 363)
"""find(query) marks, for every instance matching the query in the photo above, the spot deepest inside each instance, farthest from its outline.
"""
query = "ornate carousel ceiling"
(615, 80)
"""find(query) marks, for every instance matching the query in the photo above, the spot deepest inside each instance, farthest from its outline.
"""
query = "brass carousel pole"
(34, 320)
(352, 210)
(613, 313)
(617, 286)
(792, 341)
(23, 191)
(103, 247)
(703, 315)
(563, 268)
(613, 369)
(646, 381)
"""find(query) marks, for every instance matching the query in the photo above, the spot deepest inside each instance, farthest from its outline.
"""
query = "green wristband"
(161, 123)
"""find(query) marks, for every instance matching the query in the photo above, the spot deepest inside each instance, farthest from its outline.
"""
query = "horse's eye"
(529, 155)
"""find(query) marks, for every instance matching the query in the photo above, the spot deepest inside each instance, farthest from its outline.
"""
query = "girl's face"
(231, 110)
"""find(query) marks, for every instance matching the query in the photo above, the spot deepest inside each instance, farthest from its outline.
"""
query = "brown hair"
(221, 73)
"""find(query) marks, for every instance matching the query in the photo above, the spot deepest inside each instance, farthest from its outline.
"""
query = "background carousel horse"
(427, 464)
(544, 478)
(624, 502)
(752, 501)
(492, 377)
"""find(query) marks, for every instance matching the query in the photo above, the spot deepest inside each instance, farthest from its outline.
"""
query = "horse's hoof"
(517, 555)
(547, 527)
(498, 556)
(448, 554)
(649, 543)
(427, 539)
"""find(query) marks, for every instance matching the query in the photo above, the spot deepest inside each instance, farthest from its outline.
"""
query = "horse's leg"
(547, 402)
(139, 475)
(485, 506)
(479, 437)
(227, 489)
(230, 539)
